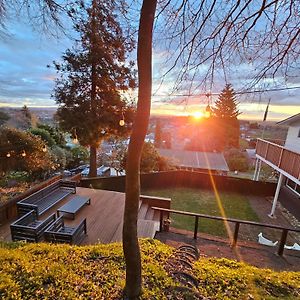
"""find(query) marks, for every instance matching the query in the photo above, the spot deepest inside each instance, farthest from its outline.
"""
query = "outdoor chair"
(29, 228)
(59, 233)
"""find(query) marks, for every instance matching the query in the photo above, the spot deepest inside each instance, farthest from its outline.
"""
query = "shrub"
(236, 160)
(47, 271)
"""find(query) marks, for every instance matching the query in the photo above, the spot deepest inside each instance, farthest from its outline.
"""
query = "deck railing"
(283, 158)
(237, 222)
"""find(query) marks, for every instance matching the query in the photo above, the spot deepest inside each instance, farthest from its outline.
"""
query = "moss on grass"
(44, 271)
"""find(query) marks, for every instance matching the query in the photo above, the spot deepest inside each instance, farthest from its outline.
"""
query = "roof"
(196, 160)
(290, 120)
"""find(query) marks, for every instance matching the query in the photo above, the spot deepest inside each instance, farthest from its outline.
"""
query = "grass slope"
(205, 202)
(44, 271)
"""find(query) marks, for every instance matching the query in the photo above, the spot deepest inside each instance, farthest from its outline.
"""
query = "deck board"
(104, 217)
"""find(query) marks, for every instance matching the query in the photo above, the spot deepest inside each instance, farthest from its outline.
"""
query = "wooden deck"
(104, 217)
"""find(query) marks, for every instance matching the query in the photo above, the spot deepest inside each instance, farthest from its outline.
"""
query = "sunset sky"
(25, 79)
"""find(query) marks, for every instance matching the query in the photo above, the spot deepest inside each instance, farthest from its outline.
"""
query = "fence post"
(282, 242)
(196, 227)
(236, 233)
(160, 221)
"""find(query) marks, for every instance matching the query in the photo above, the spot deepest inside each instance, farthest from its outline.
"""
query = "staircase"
(148, 223)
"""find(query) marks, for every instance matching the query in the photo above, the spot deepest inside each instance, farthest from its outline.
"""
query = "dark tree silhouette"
(92, 77)
(130, 241)
(225, 113)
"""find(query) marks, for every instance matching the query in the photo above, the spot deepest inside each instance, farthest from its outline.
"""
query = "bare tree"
(213, 34)
(130, 241)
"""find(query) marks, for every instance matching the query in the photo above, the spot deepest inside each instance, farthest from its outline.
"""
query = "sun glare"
(197, 115)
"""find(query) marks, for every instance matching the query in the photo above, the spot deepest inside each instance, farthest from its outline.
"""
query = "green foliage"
(236, 160)
(46, 271)
(26, 153)
(26, 119)
(59, 157)
(78, 155)
(151, 160)
(16, 176)
(44, 135)
(225, 113)
(227, 279)
(55, 134)
(3, 117)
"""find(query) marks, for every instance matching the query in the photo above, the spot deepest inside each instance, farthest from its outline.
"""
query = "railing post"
(196, 227)
(282, 242)
(236, 233)
(161, 221)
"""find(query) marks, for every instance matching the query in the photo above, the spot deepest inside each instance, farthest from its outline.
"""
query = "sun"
(197, 115)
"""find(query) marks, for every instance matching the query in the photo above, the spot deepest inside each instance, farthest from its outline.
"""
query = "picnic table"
(73, 206)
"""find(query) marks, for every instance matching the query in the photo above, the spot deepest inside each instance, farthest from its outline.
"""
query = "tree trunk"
(130, 241)
(93, 161)
(93, 148)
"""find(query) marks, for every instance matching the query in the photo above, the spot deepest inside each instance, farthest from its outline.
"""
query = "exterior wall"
(292, 140)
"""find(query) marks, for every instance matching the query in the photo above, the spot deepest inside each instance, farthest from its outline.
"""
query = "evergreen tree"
(225, 113)
(92, 77)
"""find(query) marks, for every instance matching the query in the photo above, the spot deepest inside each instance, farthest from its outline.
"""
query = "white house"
(284, 159)
(293, 137)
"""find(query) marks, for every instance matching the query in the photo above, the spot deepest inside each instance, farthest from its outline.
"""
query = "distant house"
(283, 159)
(196, 161)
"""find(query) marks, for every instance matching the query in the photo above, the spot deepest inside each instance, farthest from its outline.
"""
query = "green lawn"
(205, 202)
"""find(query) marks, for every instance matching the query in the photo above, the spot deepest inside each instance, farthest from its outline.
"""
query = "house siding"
(293, 140)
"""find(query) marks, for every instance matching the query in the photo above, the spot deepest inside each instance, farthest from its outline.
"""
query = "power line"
(237, 93)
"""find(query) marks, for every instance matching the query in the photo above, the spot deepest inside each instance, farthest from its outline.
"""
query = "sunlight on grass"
(204, 202)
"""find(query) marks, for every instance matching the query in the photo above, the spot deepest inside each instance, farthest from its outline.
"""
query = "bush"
(76, 156)
(44, 135)
(236, 160)
(47, 271)
(25, 152)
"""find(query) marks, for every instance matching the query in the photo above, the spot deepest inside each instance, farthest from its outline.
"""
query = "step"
(146, 229)
(142, 211)
(150, 213)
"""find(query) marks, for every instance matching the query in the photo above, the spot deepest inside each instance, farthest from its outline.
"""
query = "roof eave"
(289, 120)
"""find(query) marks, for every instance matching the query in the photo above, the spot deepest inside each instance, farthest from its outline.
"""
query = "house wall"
(292, 140)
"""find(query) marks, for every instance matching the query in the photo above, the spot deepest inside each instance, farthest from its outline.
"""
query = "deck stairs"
(148, 223)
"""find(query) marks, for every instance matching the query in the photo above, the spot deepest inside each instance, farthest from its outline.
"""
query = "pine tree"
(92, 77)
(225, 113)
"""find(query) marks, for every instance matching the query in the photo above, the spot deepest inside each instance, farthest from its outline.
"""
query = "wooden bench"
(59, 233)
(47, 197)
(29, 228)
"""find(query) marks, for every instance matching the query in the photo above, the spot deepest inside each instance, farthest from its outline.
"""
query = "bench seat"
(59, 233)
(44, 199)
(29, 228)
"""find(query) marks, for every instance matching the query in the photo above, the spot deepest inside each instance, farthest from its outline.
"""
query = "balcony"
(279, 158)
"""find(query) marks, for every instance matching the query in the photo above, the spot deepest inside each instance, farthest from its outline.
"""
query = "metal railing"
(237, 222)
(283, 158)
